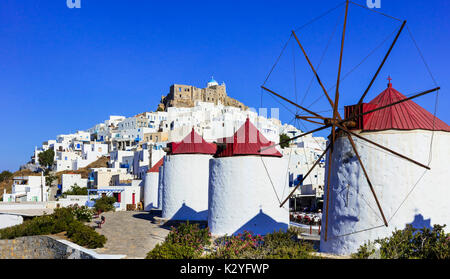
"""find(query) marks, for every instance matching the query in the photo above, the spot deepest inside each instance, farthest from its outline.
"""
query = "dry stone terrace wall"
(39, 247)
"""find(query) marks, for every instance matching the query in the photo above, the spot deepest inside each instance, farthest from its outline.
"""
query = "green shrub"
(83, 213)
(286, 245)
(280, 238)
(76, 191)
(85, 236)
(410, 243)
(62, 220)
(172, 251)
(277, 245)
(37, 226)
(283, 139)
(295, 251)
(189, 234)
(105, 204)
(240, 246)
(184, 242)
(188, 242)
(365, 251)
(62, 217)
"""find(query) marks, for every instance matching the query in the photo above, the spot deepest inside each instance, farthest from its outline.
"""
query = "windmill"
(342, 126)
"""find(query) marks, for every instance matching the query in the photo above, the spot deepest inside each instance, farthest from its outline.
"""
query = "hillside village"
(115, 156)
(204, 175)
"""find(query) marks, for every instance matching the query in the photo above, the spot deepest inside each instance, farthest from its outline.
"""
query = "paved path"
(130, 233)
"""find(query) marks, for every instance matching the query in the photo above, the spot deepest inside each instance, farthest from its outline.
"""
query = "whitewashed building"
(248, 178)
(151, 187)
(407, 193)
(27, 189)
(70, 180)
(185, 179)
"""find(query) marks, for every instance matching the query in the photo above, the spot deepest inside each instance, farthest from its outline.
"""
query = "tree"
(77, 191)
(105, 204)
(283, 139)
(5, 175)
(47, 158)
(49, 179)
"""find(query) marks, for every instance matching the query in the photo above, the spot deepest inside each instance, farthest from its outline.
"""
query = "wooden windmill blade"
(292, 103)
(382, 147)
(307, 174)
(312, 67)
(393, 104)
(351, 118)
(368, 179)
(361, 100)
(294, 138)
(346, 124)
(306, 118)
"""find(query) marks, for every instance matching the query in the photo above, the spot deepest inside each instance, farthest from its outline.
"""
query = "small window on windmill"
(347, 156)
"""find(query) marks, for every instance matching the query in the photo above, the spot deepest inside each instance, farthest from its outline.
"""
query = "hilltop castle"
(187, 95)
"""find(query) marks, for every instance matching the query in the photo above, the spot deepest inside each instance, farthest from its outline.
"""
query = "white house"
(247, 180)
(69, 180)
(27, 189)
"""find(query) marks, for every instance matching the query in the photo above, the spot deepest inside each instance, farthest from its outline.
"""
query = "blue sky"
(64, 70)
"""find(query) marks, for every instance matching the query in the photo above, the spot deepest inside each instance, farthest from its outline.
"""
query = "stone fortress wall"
(187, 95)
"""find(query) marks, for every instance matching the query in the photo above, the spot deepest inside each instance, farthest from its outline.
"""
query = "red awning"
(248, 140)
(193, 144)
(404, 116)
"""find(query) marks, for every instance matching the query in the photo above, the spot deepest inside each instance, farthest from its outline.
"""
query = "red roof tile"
(404, 116)
(248, 140)
(193, 144)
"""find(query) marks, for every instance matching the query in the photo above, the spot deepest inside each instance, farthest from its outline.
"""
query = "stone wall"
(39, 247)
(186, 95)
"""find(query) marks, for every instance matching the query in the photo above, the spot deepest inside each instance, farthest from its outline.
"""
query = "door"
(133, 198)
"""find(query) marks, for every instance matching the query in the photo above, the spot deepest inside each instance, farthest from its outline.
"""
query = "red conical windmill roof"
(193, 144)
(248, 140)
(156, 167)
(404, 116)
